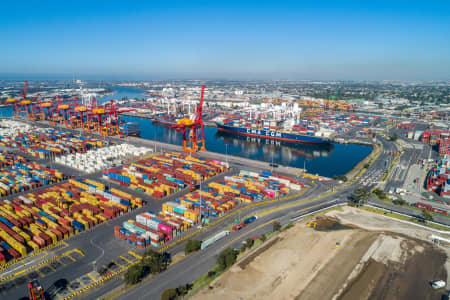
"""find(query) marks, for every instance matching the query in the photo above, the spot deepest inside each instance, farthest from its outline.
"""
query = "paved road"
(199, 263)
(101, 238)
(99, 243)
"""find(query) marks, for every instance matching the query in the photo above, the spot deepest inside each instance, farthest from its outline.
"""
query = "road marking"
(69, 257)
(119, 265)
(81, 283)
(129, 261)
(135, 254)
(90, 276)
(257, 227)
(69, 288)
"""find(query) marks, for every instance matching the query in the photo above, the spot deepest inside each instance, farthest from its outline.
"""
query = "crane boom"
(200, 107)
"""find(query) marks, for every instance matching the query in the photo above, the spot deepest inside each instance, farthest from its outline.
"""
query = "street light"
(200, 203)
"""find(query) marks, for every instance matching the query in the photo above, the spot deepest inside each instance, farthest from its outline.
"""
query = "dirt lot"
(349, 255)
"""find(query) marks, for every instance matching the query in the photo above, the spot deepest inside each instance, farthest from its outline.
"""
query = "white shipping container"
(179, 217)
(296, 187)
(115, 199)
(152, 224)
(151, 235)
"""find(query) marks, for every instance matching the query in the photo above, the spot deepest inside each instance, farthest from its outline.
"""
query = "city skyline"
(232, 40)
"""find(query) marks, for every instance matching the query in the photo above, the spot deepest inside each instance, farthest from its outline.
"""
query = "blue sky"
(405, 40)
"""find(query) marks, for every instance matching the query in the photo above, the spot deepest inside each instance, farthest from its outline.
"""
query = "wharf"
(236, 161)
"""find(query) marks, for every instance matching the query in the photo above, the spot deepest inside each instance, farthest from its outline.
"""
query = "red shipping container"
(13, 253)
(38, 240)
(57, 233)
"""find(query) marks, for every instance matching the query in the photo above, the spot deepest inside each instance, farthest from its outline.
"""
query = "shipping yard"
(161, 150)
(84, 198)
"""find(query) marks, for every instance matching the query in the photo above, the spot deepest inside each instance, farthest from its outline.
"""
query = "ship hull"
(274, 135)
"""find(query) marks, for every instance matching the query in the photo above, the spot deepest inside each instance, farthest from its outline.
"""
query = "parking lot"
(62, 288)
(42, 270)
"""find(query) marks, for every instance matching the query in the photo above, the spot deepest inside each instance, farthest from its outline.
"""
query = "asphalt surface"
(100, 245)
(198, 264)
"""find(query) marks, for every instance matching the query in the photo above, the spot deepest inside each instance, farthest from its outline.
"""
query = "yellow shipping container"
(101, 218)
(33, 245)
(25, 236)
(52, 236)
(13, 243)
(93, 219)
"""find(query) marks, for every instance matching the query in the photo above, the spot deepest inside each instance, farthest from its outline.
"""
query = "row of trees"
(343, 178)
(152, 262)
(179, 292)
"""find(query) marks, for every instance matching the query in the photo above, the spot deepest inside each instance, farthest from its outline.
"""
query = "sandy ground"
(370, 263)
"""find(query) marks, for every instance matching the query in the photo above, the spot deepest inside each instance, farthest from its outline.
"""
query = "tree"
(211, 274)
(399, 202)
(182, 290)
(343, 178)
(249, 242)
(134, 274)
(192, 246)
(360, 195)
(263, 238)
(276, 226)
(169, 294)
(243, 248)
(226, 258)
(379, 193)
(335, 177)
(155, 261)
(426, 215)
(393, 137)
(366, 165)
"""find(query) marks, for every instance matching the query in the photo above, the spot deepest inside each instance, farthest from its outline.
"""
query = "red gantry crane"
(23, 107)
(193, 129)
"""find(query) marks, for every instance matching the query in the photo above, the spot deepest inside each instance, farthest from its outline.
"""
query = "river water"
(325, 160)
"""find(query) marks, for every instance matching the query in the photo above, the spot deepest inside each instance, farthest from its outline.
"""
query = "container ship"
(274, 130)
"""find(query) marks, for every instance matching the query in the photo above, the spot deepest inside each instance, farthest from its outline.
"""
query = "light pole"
(200, 203)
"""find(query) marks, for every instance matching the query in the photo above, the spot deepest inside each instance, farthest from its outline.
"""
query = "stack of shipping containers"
(44, 143)
(17, 174)
(165, 174)
(217, 198)
(41, 218)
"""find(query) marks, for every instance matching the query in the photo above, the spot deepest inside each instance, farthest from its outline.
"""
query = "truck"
(35, 290)
(244, 223)
(212, 240)
(438, 284)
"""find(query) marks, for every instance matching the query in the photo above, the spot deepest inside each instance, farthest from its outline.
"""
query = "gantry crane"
(22, 108)
(193, 129)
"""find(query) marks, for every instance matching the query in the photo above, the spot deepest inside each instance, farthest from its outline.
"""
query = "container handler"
(35, 290)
